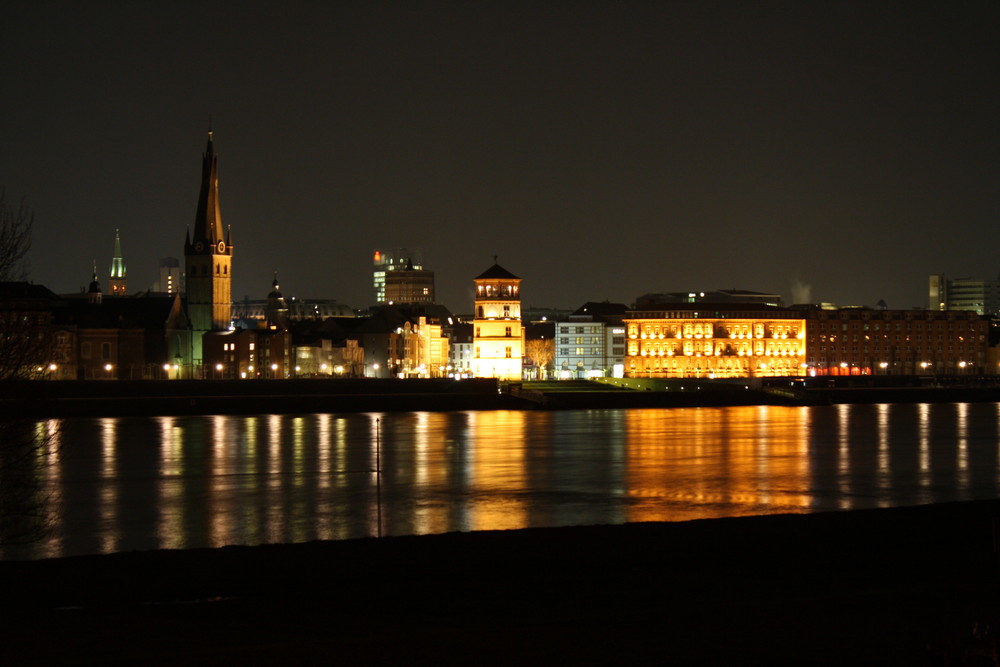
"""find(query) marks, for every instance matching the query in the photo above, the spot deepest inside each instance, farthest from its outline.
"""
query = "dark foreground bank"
(915, 586)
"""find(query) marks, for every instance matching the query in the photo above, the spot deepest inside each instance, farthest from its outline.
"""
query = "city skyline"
(601, 150)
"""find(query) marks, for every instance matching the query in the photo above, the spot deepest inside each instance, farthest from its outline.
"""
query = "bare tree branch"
(15, 238)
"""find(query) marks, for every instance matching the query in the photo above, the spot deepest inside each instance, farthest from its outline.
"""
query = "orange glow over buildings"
(705, 341)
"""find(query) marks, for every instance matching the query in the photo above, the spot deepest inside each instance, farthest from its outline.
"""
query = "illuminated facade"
(208, 257)
(707, 341)
(425, 350)
(498, 340)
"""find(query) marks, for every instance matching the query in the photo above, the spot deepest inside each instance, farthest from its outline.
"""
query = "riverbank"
(893, 586)
(51, 399)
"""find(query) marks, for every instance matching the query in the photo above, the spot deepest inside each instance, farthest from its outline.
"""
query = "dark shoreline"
(889, 586)
(45, 399)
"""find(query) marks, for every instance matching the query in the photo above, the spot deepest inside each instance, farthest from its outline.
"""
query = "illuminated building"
(208, 258)
(715, 341)
(591, 342)
(460, 350)
(399, 277)
(859, 341)
(498, 340)
(981, 296)
(409, 285)
(425, 350)
(117, 282)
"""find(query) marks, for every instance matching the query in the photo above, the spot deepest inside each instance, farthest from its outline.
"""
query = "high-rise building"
(208, 260)
(409, 284)
(171, 280)
(117, 282)
(498, 339)
(981, 296)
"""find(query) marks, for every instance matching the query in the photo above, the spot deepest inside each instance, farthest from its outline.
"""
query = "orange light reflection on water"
(496, 470)
(699, 463)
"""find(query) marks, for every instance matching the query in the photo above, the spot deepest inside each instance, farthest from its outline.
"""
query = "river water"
(120, 484)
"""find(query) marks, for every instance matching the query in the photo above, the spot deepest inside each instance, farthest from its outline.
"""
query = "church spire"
(208, 219)
(117, 282)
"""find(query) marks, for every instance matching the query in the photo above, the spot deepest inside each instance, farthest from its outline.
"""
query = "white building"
(591, 342)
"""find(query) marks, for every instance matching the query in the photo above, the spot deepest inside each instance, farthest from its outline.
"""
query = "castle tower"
(208, 260)
(117, 282)
(498, 339)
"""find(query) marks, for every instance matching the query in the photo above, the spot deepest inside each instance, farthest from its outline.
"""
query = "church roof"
(496, 271)
(152, 313)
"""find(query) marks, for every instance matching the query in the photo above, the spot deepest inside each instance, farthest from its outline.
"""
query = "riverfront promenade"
(914, 586)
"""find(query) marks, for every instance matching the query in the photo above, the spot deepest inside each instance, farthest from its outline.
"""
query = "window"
(507, 352)
(507, 332)
(105, 351)
(85, 350)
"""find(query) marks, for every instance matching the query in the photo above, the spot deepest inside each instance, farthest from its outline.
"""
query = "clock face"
(199, 246)
(222, 247)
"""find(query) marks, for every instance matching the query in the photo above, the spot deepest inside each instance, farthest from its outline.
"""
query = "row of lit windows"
(507, 352)
(501, 290)
(709, 330)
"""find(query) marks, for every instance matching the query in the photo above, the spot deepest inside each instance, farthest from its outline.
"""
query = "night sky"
(824, 151)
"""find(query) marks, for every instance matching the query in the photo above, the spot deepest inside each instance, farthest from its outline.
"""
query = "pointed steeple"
(117, 283)
(208, 219)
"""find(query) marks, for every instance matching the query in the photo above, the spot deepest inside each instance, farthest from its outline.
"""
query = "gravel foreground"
(906, 586)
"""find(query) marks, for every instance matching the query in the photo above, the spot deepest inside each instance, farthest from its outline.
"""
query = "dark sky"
(602, 149)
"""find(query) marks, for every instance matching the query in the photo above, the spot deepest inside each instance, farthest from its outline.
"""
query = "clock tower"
(208, 261)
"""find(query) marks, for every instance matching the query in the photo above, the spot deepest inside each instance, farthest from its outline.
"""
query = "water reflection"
(180, 482)
(712, 462)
